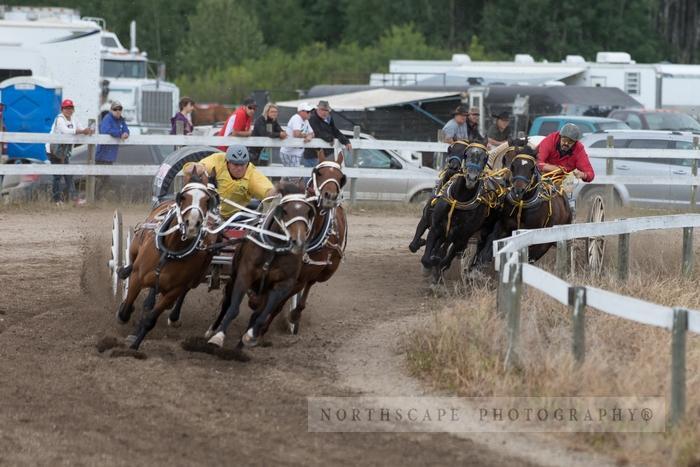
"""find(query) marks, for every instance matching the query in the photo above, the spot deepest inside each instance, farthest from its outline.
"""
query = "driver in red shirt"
(562, 149)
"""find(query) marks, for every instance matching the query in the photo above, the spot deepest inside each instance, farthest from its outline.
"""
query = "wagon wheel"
(116, 251)
(127, 259)
(595, 246)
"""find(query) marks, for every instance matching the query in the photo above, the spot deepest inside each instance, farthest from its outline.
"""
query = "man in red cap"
(64, 124)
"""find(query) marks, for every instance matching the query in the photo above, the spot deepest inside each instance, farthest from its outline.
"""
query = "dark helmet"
(570, 131)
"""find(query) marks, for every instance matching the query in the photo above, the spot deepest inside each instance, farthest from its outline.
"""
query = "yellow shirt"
(254, 184)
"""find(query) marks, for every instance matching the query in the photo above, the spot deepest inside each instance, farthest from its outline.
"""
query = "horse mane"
(527, 150)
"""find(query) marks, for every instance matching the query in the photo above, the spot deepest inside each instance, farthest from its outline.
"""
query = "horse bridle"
(307, 221)
(314, 181)
(530, 181)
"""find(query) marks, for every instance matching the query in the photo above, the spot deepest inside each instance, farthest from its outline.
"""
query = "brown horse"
(269, 263)
(169, 253)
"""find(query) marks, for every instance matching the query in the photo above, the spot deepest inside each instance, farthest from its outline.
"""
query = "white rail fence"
(353, 173)
(511, 262)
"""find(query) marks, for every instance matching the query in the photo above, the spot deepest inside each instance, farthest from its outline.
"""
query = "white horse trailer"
(90, 63)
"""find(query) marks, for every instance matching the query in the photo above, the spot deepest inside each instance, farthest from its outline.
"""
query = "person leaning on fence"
(499, 132)
(64, 124)
(456, 129)
(237, 179)
(261, 156)
(113, 124)
(298, 126)
(240, 121)
(186, 106)
(324, 127)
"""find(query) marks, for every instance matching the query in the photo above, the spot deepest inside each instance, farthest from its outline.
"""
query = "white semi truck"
(89, 62)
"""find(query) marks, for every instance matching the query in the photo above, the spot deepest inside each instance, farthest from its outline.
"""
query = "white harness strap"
(317, 187)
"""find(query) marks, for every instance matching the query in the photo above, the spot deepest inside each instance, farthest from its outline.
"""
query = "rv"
(89, 62)
(654, 85)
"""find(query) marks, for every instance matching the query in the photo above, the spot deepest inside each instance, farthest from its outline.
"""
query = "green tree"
(221, 33)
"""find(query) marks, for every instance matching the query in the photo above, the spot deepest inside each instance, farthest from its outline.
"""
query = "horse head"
(196, 199)
(294, 215)
(475, 158)
(327, 181)
(524, 173)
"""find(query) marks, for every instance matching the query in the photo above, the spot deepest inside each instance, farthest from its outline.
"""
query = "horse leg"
(432, 245)
(274, 298)
(150, 318)
(127, 306)
(238, 291)
(150, 300)
(225, 303)
(535, 252)
(295, 314)
(174, 317)
(423, 225)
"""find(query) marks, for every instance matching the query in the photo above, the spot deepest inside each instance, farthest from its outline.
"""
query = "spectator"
(184, 115)
(64, 124)
(239, 122)
(473, 134)
(323, 127)
(261, 156)
(456, 129)
(299, 127)
(112, 124)
(499, 132)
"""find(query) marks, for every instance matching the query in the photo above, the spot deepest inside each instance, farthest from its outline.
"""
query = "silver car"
(674, 196)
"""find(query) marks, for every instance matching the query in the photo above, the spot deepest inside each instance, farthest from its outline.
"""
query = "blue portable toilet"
(31, 105)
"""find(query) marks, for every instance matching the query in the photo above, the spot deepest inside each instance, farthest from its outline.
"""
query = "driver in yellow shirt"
(237, 179)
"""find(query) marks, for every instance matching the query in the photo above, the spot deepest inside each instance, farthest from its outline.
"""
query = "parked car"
(545, 125)
(641, 119)
(22, 187)
(674, 196)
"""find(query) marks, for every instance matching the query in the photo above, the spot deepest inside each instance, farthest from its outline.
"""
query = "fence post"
(623, 256)
(438, 157)
(502, 284)
(680, 329)
(353, 181)
(90, 181)
(577, 302)
(609, 189)
(511, 299)
(563, 258)
(694, 171)
(688, 257)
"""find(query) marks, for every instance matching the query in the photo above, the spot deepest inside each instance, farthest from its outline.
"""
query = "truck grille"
(157, 107)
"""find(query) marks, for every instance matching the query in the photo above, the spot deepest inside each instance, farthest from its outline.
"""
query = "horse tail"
(125, 271)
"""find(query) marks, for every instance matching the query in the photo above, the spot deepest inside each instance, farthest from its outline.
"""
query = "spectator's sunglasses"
(117, 109)
(252, 107)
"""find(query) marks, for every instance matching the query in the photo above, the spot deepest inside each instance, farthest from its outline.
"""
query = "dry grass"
(463, 350)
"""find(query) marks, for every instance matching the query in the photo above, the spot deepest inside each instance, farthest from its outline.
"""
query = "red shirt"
(548, 152)
(237, 121)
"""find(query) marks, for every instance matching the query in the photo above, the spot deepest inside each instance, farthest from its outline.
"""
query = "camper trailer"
(654, 85)
(89, 62)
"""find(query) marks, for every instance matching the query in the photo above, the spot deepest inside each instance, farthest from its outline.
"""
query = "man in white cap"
(297, 126)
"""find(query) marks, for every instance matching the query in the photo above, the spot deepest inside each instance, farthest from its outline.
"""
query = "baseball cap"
(116, 105)
(461, 110)
(305, 107)
(249, 102)
(237, 154)
(502, 115)
(67, 103)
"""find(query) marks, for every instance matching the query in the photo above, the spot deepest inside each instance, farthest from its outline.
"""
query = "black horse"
(532, 202)
(455, 156)
(458, 212)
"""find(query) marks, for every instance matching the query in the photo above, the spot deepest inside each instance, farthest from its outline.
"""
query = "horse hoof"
(217, 339)
(130, 339)
(293, 328)
(175, 324)
(412, 247)
(119, 318)
(209, 332)
(248, 339)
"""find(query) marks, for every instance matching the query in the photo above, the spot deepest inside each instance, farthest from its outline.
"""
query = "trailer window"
(123, 69)
(7, 74)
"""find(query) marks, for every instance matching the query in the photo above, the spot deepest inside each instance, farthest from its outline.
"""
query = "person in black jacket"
(324, 127)
(266, 125)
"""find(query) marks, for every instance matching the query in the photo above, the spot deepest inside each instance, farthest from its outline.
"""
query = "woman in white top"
(64, 124)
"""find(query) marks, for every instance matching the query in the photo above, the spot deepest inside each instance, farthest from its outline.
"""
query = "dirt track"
(61, 402)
